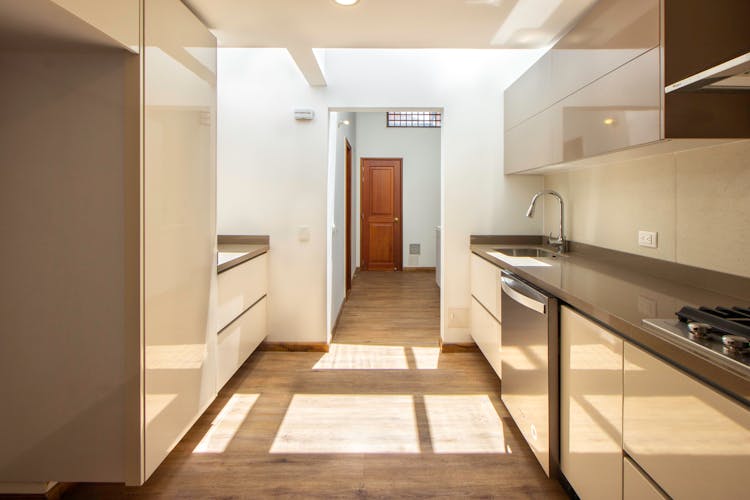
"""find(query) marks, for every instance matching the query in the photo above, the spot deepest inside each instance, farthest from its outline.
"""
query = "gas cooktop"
(721, 334)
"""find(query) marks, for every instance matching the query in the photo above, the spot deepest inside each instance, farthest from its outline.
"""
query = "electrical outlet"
(647, 239)
(303, 233)
(414, 249)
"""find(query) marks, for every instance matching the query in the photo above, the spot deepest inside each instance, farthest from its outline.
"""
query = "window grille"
(425, 119)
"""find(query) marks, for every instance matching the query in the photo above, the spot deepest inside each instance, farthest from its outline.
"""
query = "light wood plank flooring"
(382, 415)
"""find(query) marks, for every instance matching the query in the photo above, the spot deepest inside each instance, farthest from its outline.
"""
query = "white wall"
(420, 150)
(272, 170)
(339, 133)
(696, 200)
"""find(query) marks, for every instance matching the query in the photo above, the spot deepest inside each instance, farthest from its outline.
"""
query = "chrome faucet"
(559, 240)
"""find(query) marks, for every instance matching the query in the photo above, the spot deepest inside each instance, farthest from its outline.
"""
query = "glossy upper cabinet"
(691, 440)
(610, 34)
(118, 19)
(591, 361)
(179, 224)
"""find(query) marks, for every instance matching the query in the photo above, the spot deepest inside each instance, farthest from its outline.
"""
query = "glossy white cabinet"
(240, 287)
(636, 486)
(238, 340)
(691, 440)
(179, 224)
(486, 331)
(591, 361)
(485, 284)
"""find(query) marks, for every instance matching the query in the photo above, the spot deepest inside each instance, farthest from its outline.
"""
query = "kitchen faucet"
(559, 240)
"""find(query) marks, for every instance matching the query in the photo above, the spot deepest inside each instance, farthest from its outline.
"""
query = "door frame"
(399, 233)
(348, 205)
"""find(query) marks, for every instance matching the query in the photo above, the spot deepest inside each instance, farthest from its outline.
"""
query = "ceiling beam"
(309, 65)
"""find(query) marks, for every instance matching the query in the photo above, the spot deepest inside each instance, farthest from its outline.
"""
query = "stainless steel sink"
(526, 252)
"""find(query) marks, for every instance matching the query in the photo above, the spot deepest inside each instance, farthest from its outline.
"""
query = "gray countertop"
(235, 249)
(621, 291)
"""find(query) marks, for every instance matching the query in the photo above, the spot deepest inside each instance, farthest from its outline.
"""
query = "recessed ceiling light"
(609, 121)
(346, 2)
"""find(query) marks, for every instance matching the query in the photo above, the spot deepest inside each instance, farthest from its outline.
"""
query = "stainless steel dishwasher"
(530, 362)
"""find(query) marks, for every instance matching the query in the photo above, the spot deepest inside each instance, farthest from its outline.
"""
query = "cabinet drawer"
(687, 437)
(486, 331)
(240, 287)
(590, 407)
(238, 341)
(485, 284)
(636, 486)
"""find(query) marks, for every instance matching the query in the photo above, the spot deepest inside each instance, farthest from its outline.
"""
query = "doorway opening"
(384, 214)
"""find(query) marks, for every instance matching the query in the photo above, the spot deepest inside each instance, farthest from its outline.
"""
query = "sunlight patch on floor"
(464, 424)
(363, 357)
(357, 423)
(426, 358)
(227, 422)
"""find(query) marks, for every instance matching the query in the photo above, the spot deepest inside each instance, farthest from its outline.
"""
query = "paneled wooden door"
(381, 214)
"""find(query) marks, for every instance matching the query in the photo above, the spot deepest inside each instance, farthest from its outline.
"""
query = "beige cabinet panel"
(591, 361)
(609, 35)
(240, 287)
(485, 284)
(637, 486)
(687, 437)
(238, 341)
(486, 332)
(617, 111)
(179, 224)
(118, 19)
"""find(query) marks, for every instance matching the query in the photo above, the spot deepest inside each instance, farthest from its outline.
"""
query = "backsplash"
(698, 201)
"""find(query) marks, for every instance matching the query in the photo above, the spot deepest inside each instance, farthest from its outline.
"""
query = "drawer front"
(590, 407)
(687, 437)
(485, 284)
(486, 332)
(636, 486)
(240, 287)
(238, 341)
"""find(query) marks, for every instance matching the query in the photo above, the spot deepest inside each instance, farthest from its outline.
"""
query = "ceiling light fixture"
(346, 2)
(343, 122)
(609, 121)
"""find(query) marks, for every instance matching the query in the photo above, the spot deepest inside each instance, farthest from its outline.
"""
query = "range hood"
(730, 75)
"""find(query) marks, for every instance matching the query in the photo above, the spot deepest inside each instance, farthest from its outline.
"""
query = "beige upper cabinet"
(601, 88)
(118, 19)
(590, 407)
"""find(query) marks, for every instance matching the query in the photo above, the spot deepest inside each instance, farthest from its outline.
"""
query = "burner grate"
(732, 321)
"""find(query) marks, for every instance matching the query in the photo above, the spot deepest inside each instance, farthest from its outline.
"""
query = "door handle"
(507, 287)
(395, 219)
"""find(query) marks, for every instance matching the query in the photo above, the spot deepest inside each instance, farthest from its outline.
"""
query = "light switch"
(647, 239)
(303, 233)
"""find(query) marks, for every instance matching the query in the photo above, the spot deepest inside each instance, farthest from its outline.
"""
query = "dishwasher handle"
(521, 293)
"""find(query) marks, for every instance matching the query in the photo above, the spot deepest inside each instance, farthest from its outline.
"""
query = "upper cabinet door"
(180, 228)
(118, 19)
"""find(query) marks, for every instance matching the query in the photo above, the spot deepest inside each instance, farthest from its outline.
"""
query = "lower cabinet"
(691, 440)
(591, 377)
(636, 486)
(239, 339)
(485, 330)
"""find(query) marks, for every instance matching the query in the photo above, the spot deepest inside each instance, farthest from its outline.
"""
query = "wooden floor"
(382, 415)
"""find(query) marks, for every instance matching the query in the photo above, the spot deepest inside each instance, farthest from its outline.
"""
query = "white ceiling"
(476, 24)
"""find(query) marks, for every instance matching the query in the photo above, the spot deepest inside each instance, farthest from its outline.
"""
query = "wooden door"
(381, 214)
(348, 206)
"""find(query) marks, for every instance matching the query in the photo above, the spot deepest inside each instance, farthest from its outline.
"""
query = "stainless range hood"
(730, 75)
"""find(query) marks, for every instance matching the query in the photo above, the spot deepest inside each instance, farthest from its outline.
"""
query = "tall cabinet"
(108, 209)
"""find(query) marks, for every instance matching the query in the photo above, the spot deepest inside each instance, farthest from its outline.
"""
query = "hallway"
(383, 414)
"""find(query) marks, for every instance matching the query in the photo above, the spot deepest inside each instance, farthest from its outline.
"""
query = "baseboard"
(419, 269)
(462, 347)
(293, 346)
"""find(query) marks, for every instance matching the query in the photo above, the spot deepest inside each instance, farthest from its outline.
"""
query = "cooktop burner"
(718, 333)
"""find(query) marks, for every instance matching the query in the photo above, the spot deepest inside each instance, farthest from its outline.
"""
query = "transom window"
(427, 119)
